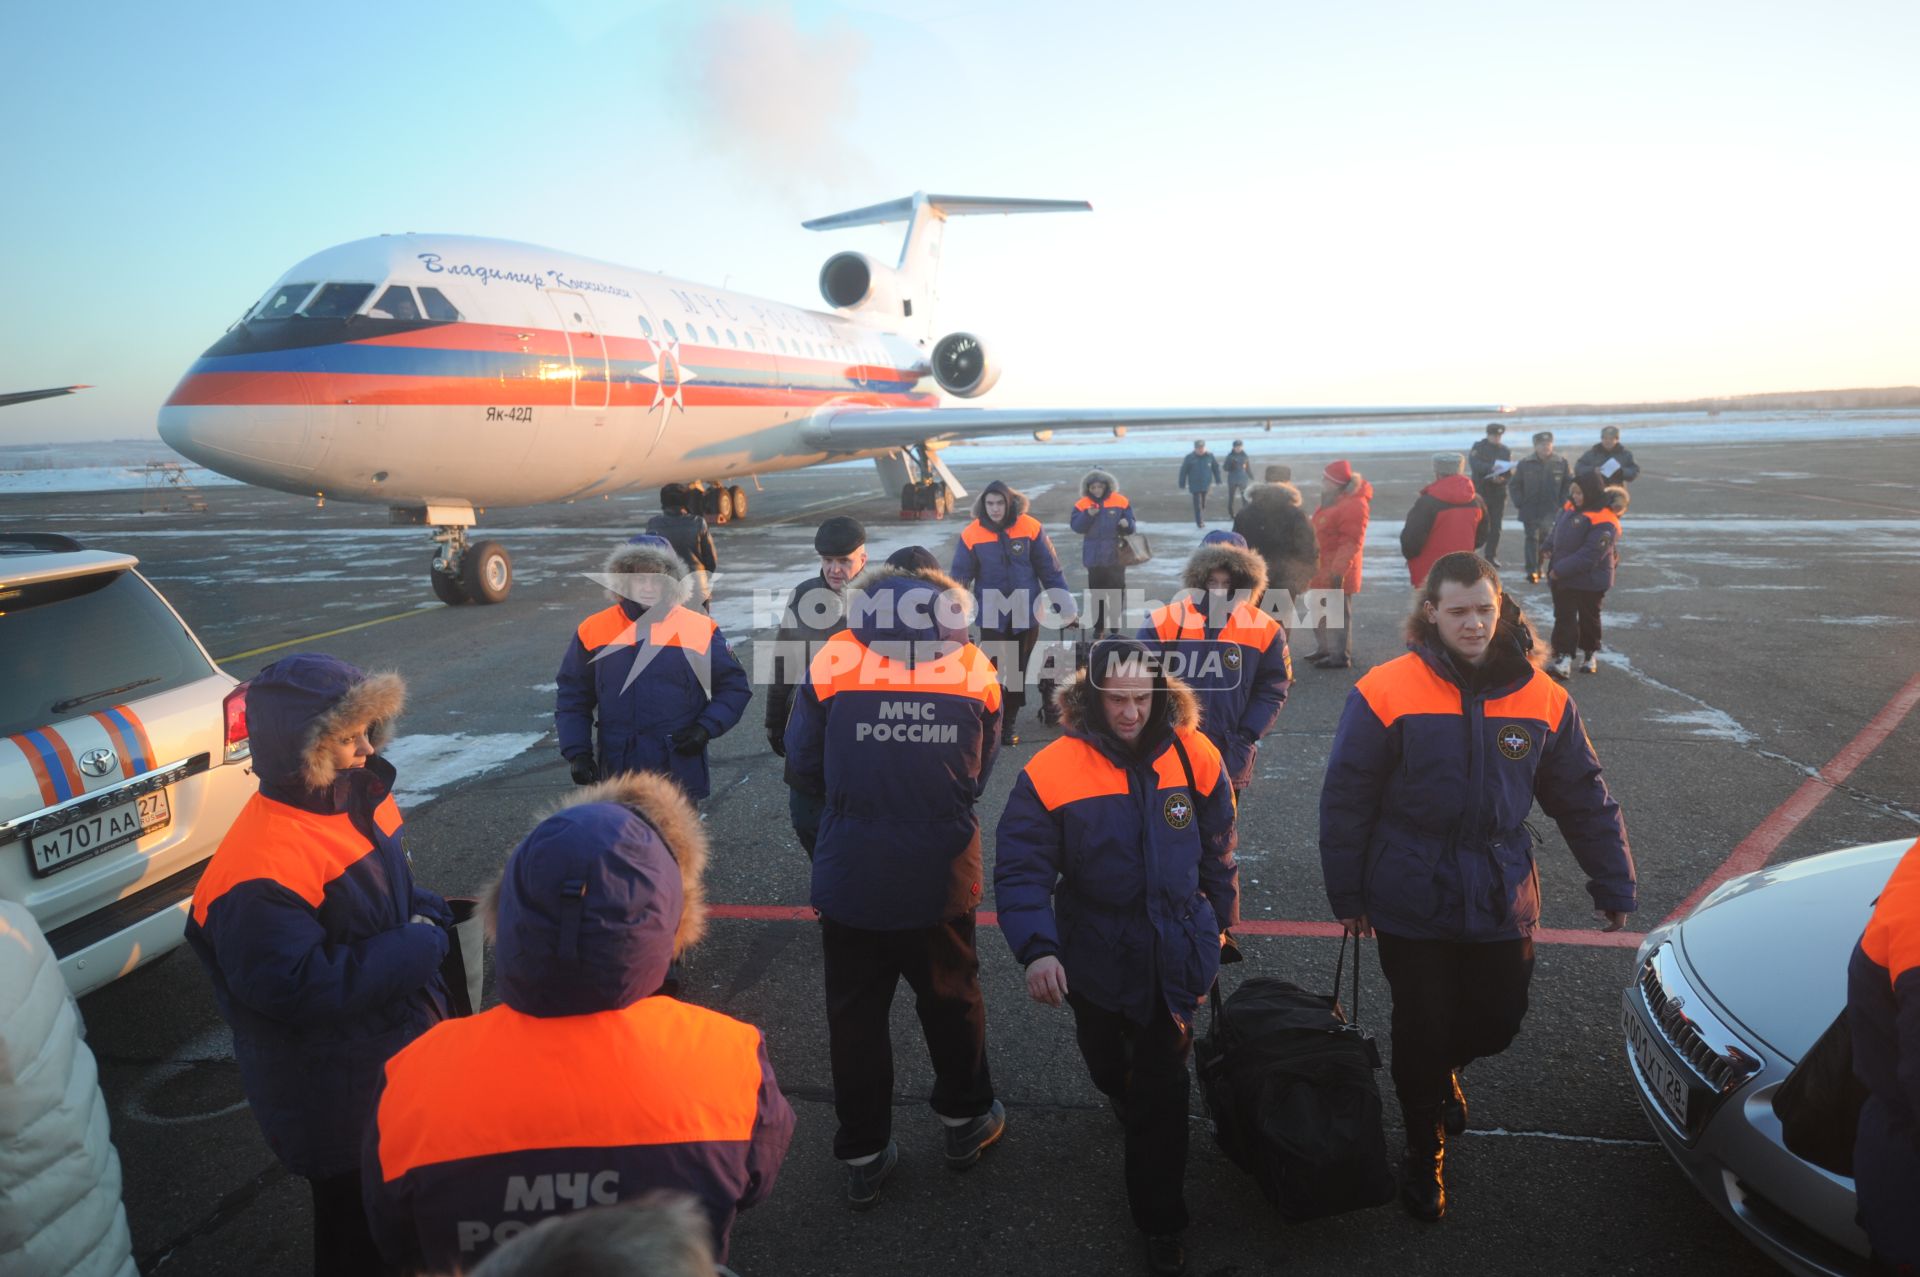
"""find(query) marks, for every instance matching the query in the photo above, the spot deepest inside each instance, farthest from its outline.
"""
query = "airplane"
(12, 397)
(441, 375)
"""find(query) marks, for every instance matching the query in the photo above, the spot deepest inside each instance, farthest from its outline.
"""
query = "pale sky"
(1294, 203)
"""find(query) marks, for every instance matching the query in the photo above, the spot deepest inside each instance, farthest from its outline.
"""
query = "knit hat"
(1220, 536)
(1338, 472)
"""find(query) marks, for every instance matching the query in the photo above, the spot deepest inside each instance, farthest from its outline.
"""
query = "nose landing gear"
(462, 571)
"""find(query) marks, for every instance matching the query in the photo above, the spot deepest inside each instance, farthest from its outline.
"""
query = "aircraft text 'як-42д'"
(441, 374)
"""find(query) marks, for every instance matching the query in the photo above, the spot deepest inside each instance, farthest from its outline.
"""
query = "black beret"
(913, 558)
(839, 536)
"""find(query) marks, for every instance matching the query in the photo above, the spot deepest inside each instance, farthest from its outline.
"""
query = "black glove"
(777, 741)
(584, 772)
(690, 740)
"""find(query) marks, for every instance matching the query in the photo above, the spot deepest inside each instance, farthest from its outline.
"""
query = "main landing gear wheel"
(446, 588)
(738, 496)
(486, 572)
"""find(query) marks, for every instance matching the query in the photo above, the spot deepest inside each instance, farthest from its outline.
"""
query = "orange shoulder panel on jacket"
(604, 628)
(387, 818)
(683, 627)
(845, 664)
(1026, 526)
(1892, 938)
(1118, 500)
(977, 533)
(656, 1072)
(1250, 627)
(1201, 752)
(1540, 698)
(1407, 685)
(1178, 620)
(1085, 503)
(1611, 517)
(269, 840)
(1069, 770)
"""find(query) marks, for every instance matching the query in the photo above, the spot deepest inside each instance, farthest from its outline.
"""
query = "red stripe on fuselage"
(343, 388)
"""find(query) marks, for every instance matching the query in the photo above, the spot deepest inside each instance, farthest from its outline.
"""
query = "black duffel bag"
(1290, 1085)
(1819, 1103)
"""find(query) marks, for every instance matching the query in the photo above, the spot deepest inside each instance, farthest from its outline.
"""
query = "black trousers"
(1454, 1002)
(342, 1243)
(864, 968)
(1496, 498)
(1539, 537)
(1235, 491)
(1106, 601)
(1144, 1067)
(1010, 648)
(1576, 620)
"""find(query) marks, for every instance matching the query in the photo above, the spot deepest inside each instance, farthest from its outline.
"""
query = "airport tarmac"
(1767, 611)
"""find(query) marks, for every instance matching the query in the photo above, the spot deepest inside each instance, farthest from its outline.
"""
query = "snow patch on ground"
(546, 687)
(429, 764)
(101, 479)
(1706, 720)
(1857, 620)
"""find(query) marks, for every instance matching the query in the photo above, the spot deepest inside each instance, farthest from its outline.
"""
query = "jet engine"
(854, 281)
(962, 366)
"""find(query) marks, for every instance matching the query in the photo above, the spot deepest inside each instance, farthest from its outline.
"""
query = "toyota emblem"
(98, 762)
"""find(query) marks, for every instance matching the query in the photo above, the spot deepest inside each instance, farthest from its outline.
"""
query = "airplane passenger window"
(336, 301)
(395, 303)
(713, 338)
(749, 340)
(646, 328)
(782, 341)
(673, 334)
(438, 307)
(730, 339)
(285, 300)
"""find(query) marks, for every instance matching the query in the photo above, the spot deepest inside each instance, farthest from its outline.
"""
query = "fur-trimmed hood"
(598, 900)
(1617, 498)
(1098, 476)
(896, 607)
(650, 555)
(298, 706)
(1080, 715)
(1274, 493)
(1016, 504)
(1247, 570)
(1514, 633)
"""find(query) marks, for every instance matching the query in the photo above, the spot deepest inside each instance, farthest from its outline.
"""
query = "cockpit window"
(396, 303)
(285, 300)
(438, 307)
(336, 301)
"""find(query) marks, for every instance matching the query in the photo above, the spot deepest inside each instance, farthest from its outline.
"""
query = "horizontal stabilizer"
(901, 210)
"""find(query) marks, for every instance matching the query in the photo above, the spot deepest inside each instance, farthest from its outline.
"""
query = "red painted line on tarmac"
(1247, 927)
(1758, 847)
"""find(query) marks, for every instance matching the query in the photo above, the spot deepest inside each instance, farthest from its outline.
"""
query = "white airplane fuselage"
(503, 374)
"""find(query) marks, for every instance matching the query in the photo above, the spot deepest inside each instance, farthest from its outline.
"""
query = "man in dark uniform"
(687, 533)
(1540, 484)
(1491, 484)
(815, 612)
(1610, 457)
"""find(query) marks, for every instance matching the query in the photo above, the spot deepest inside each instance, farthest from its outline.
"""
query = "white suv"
(123, 752)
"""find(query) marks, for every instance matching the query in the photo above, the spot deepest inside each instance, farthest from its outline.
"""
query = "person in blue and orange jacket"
(1102, 516)
(1114, 873)
(324, 955)
(647, 682)
(1438, 759)
(1231, 653)
(1883, 1017)
(1006, 558)
(588, 1085)
(1583, 555)
(896, 731)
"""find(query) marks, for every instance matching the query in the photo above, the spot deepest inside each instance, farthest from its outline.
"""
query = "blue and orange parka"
(1883, 1017)
(896, 730)
(1433, 773)
(302, 918)
(1009, 565)
(631, 679)
(1110, 858)
(587, 1085)
(1239, 668)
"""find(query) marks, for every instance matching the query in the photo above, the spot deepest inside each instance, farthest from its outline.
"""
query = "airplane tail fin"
(926, 215)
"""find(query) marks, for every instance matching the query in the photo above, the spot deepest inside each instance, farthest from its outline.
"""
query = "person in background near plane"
(1438, 759)
(895, 731)
(1234, 652)
(1883, 1016)
(687, 533)
(1102, 516)
(1006, 558)
(587, 1072)
(1340, 527)
(1239, 468)
(1114, 873)
(1199, 471)
(815, 612)
(1586, 552)
(1447, 518)
(1540, 484)
(1491, 484)
(324, 956)
(1277, 528)
(1608, 449)
(646, 682)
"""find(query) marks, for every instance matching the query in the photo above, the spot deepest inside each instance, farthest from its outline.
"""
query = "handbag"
(1134, 549)
(464, 967)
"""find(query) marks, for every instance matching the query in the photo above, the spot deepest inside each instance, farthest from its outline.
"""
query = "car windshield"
(74, 645)
(285, 300)
(336, 301)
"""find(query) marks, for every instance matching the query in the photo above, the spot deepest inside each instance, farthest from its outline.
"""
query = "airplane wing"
(856, 429)
(28, 396)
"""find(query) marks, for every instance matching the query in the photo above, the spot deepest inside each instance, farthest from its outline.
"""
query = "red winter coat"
(1341, 529)
(1448, 517)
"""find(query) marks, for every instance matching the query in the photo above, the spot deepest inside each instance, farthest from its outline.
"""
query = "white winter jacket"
(60, 1212)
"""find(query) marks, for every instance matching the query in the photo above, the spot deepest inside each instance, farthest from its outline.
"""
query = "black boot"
(1453, 1106)
(1007, 735)
(1422, 1190)
(1049, 712)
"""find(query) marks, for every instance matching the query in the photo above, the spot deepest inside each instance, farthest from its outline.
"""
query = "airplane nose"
(264, 444)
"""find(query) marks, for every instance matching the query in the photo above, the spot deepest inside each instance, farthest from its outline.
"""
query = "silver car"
(1723, 1004)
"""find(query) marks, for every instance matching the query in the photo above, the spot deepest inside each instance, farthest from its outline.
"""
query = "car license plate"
(1663, 1079)
(63, 846)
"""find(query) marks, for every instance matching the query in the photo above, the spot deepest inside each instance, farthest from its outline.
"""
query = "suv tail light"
(234, 708)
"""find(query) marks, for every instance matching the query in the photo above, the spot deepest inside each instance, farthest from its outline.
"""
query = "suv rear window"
(85, 643)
